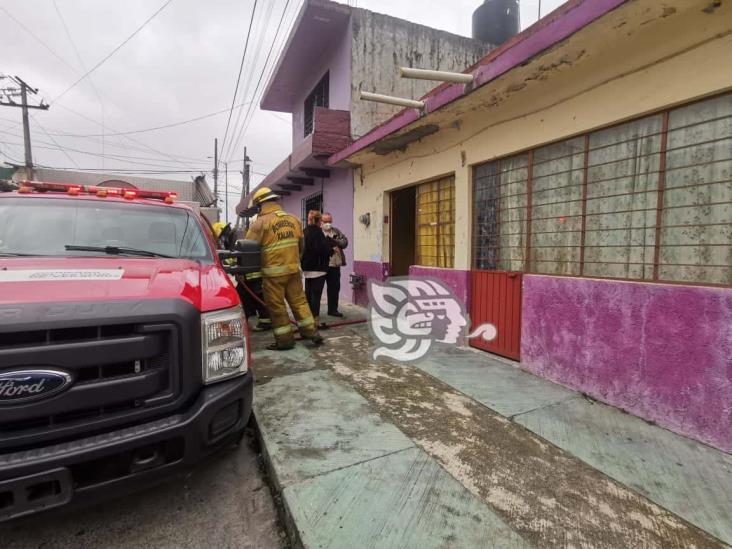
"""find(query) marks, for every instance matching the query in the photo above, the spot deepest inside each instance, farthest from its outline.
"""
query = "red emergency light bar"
(129, 194)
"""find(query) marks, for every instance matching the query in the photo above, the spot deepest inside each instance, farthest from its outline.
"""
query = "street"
(224, 503)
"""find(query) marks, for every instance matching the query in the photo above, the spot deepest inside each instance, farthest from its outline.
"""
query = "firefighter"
(281, 237)
(252, 300)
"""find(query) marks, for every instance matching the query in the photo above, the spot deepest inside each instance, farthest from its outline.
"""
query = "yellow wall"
(640, 58)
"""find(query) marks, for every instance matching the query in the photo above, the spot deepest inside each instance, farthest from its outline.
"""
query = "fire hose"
(333, 325)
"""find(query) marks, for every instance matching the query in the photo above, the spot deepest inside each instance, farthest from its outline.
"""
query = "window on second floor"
(317, 98)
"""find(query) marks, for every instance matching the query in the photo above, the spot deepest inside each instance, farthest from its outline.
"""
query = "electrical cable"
(252, 107)
(115, 50)
(259, 34)
(41, 42)
(83, 68)
(128, 137)
(238, 78)
(66, 154)
(113, 156)
(146, 130)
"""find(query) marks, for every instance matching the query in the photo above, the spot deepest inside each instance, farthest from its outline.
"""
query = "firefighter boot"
(274, 294)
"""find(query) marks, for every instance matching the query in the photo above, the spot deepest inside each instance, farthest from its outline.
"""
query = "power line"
(66, 154)
(261, 25)
(177, 159)
(252, 107)
(146, 130)
(34, 36)
(238, 78)
(83, 67)
(127, 137)
(115, 50)
(120, 158)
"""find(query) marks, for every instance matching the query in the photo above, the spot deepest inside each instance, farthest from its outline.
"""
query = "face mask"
(327, 226)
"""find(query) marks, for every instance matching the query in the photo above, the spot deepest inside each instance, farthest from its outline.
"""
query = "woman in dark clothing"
(315, 259)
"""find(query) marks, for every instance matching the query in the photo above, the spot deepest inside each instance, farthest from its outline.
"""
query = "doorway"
(403, 233)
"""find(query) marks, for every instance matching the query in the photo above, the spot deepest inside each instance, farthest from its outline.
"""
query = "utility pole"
(216, 172)
(245, 182)
(22, 89)
(226, 192)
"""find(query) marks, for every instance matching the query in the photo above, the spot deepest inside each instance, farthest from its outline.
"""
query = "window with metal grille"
(649, 199)
(436, 223)
(317, 98)
(312, 202)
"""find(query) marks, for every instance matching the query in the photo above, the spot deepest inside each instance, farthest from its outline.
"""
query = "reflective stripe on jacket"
(279, 233)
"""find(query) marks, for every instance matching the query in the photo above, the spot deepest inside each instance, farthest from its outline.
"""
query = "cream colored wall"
(664, 55)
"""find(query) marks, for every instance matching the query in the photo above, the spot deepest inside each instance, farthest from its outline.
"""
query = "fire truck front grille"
(119, 372)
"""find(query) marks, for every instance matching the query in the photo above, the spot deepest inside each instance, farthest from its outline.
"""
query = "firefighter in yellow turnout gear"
(280, 235)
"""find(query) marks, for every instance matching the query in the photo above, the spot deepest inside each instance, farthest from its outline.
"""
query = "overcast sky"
(181, 65)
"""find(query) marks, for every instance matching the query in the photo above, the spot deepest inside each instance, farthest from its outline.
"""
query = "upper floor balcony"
(331, 133)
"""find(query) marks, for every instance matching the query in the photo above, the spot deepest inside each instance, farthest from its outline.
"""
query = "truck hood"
(48, 280)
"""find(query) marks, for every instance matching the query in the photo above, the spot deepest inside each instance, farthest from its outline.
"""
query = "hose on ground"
(333, 325)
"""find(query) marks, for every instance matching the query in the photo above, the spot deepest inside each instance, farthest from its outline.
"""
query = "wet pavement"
(463, 450)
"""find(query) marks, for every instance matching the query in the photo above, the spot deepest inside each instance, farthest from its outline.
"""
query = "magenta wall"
(457, 281)
(369, 270)
(661, 352)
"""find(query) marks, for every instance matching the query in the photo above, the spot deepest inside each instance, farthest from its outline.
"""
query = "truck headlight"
(223, 344)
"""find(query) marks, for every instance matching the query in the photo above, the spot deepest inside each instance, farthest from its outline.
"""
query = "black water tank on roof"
(496, 21)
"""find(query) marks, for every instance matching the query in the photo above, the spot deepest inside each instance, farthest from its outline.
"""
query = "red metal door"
(496, 298)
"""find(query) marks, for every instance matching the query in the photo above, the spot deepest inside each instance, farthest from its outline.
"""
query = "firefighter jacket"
(279, 234)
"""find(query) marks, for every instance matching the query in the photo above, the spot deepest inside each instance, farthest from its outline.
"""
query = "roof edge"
(542, 35)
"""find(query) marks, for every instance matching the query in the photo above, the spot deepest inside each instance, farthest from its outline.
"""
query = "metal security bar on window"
(312, 202)
(436, 223)
(317, 98)
(650, 199)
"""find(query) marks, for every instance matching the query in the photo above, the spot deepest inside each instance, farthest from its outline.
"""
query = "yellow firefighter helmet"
(218, 228)
(265, 194)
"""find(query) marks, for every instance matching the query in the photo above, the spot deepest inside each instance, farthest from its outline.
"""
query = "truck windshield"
(64, 228)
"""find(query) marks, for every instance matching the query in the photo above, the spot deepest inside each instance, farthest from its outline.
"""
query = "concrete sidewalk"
(464, 450)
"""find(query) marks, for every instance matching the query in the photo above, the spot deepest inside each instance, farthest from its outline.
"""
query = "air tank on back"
(496, 21)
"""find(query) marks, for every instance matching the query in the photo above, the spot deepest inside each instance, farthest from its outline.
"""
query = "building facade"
(334, 51)
(578, 195)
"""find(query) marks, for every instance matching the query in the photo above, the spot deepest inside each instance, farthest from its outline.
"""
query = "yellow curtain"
(436, 223)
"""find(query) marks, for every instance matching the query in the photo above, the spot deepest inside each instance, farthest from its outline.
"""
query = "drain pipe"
(442, 76)
(391, 100)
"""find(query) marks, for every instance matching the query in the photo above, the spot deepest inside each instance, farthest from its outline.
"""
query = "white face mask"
(327, 226)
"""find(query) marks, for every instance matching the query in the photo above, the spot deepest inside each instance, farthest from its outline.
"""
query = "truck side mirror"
(247, 254)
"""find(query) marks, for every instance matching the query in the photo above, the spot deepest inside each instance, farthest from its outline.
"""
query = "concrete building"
(578, 195)
(332, 53)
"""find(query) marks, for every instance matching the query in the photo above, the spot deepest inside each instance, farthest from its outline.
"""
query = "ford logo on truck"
(21, 386)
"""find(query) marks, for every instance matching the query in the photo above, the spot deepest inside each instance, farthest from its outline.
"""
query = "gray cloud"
(182, 65)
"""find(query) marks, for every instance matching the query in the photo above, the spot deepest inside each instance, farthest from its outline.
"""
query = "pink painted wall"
(370, 270)
(661, 352)
(338, 64)
(458, 281)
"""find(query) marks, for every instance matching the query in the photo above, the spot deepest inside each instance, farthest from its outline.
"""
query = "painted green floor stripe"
(401, 500)
(686, 477)
(503, 388)
(312, 424)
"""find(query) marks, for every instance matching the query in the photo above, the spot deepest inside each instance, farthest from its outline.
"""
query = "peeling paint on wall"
(661, 352)
(381, 44)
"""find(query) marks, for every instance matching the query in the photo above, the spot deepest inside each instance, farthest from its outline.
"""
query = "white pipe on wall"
(443, 76)
(399, 101)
